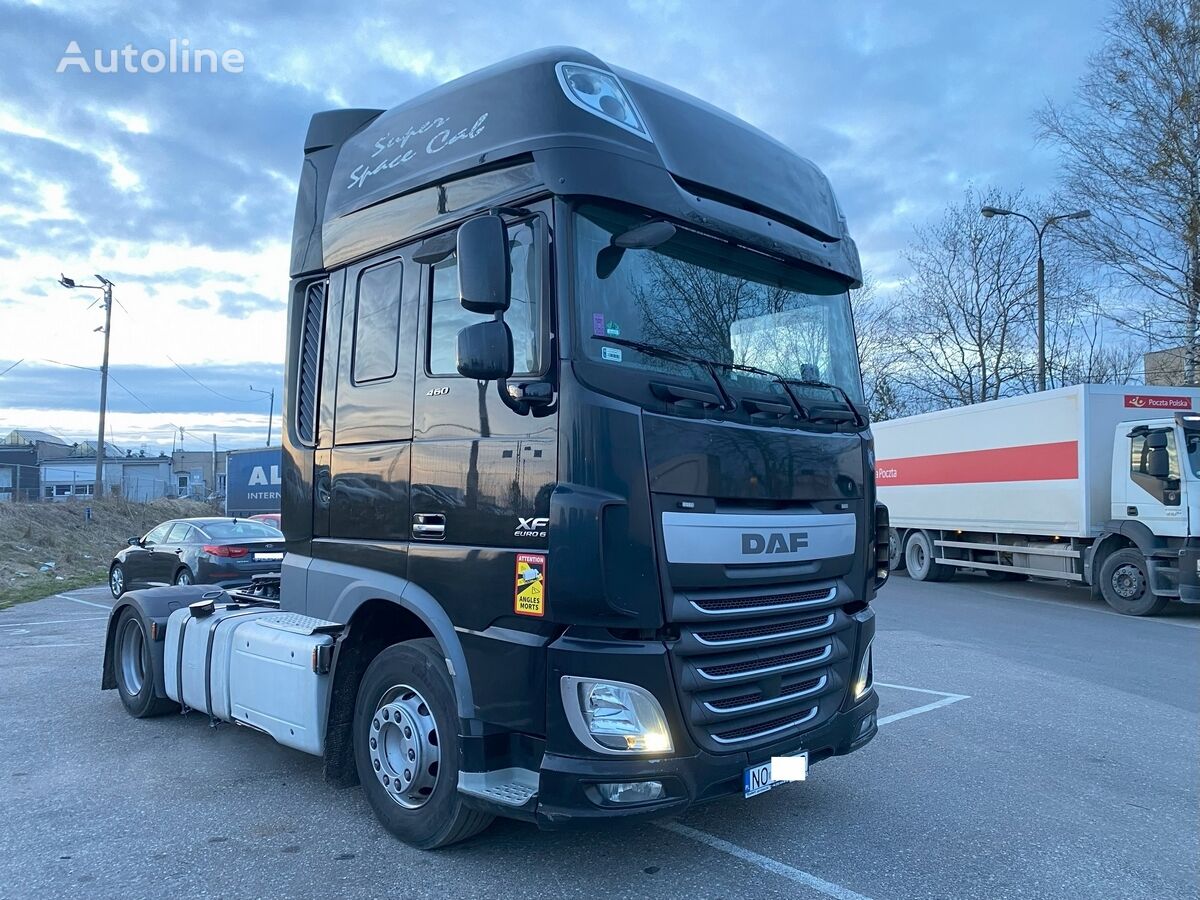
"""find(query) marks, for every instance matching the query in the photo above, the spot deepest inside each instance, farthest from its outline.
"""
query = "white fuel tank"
(256, 666)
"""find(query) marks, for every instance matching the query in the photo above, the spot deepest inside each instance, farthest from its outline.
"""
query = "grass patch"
(77, 547)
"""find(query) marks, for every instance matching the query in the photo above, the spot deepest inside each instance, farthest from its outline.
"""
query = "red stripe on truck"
(1032, 462)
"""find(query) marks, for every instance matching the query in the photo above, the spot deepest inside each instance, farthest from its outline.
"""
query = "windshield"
(706, 298)
(240, 530)
(1191, 439)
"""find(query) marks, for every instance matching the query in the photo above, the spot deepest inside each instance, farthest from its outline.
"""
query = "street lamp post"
(271, 413)
(105, 286)
(987, 212)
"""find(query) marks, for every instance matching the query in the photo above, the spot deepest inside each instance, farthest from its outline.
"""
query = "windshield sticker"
(612, 354)
(612, 329)
(529, 598)
(598, 324)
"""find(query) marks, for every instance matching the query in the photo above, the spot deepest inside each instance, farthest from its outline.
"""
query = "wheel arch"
(154, 606)
(379, 610)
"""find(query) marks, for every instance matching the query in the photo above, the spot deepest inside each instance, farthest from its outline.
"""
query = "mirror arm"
(520, 407)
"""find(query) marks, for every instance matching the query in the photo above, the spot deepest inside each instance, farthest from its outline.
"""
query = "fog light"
(614, 716)
(866, 725)
(632, 791)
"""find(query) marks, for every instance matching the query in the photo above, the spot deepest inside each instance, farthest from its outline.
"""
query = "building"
(46, 445)
(1167, 367)
(20, 476)
(136, 477)
(192, 473)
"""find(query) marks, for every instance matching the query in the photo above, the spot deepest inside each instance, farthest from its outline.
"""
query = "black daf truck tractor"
(577, 479)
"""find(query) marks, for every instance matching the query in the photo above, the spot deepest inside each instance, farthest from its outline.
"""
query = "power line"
(211, 390)
(10, 368)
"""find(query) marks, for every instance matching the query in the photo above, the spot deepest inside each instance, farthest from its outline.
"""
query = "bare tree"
(967, 317)
(880, 355)
(1131, 152)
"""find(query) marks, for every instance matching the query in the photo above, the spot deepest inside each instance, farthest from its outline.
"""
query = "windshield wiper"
(850, 407)
(709, 366)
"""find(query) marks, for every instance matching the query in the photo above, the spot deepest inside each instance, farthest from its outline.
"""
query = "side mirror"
(135, 542)
(484, 280)
(485, 351)
(1158, 463)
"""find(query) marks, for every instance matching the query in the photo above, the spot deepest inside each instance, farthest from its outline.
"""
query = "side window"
(1139, 456)
(524, 316)
(377, 322)
(157, 535)
(179, 533)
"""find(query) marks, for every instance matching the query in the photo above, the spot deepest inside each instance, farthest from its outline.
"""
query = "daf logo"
(774, 542)
(533, 527)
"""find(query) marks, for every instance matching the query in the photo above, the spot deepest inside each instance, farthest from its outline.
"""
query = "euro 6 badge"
(529, 597)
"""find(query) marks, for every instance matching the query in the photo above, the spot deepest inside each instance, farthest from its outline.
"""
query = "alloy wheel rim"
(404, 746)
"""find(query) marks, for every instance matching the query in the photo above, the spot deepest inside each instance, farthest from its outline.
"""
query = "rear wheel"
(116, 580)
(1125, 585)
(406, 747)
(919, 559)
(895, 551)
(135, 670)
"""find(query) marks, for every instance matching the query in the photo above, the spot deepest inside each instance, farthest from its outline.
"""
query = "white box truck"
(1097, 484)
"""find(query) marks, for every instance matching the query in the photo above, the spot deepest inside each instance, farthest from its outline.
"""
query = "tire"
(116, 580)
(134, 670)
(184, 576)
(896, 561)
(405, 712)
(919, 556)
(1125, 586)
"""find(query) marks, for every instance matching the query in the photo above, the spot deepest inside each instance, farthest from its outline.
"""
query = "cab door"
(482, 474)
(364, 519)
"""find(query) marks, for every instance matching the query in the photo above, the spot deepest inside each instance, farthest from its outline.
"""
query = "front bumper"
(567, 794)
(1189, 573)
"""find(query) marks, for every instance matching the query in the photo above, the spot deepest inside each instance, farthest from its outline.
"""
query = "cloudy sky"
(180, 187)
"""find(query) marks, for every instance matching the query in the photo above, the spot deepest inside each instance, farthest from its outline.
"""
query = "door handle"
(430, 526)
(1131, 511)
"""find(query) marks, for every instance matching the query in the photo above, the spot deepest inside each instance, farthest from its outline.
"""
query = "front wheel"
(184, 576)
(406, 747)
(135, 670)
(1125, 585)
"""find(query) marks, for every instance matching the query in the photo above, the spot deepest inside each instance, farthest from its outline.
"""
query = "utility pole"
(105, 287)
(271, 413)
(213, 489)
(987, 212)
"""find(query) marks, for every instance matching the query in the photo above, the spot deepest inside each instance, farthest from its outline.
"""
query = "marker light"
(615, 717)
(864, 679)
(601, 94)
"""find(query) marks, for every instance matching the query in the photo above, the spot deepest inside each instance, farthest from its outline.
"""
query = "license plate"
(760, 778)
(268, 557)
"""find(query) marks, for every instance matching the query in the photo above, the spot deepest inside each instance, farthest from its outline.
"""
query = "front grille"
(764, 729)
(755, 632)
(727, 605)
(745, 701)
(765, 673)
(763, 666)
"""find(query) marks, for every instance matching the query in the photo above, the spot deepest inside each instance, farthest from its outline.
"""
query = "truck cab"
(577, 473)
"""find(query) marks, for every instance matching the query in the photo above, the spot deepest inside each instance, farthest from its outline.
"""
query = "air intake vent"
(310, 362)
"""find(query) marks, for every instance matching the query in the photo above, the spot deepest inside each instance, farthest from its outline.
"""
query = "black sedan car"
(218, 551)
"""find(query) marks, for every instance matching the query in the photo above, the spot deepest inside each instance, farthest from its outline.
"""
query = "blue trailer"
(252, 482)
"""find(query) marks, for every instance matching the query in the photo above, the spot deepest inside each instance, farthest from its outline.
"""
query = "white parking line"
(946, 700)
(828, 888)
(36, 646)
(84, 602)
(791, 872)
(1096, 610)
(53, 622)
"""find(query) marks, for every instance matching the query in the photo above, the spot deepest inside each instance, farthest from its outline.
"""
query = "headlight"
(601, 94)
(865, 677)
(615, 717)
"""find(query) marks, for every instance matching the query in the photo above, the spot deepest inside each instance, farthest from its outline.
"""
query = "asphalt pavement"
(1033, 744)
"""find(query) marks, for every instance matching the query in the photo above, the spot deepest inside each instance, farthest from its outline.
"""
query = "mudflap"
(155, 606)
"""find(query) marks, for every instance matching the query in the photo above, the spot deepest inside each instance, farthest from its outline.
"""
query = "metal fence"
(51, 483)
